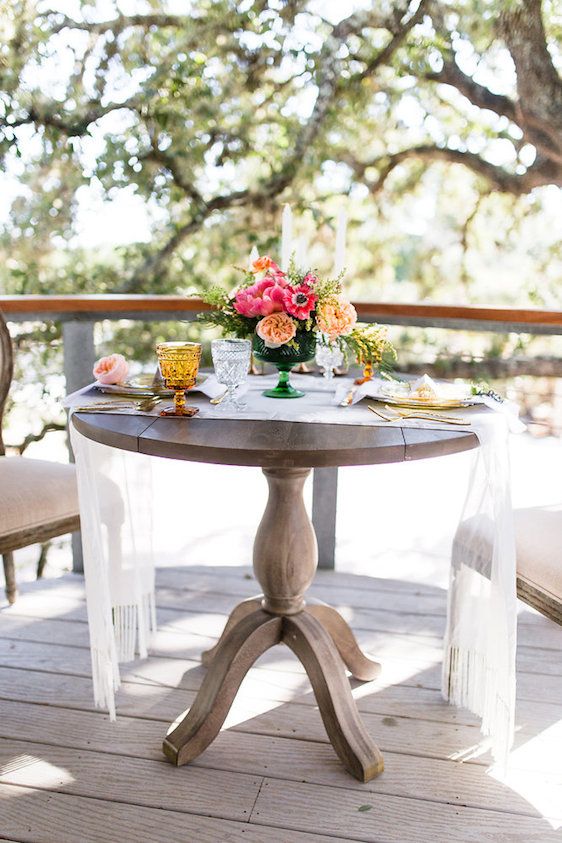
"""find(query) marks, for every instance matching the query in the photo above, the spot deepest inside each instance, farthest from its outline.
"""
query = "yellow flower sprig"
(370, 344)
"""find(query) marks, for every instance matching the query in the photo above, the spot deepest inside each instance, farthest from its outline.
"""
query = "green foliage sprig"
(224, 316)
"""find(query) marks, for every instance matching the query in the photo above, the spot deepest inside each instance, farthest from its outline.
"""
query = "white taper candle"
(286, 237)
(341, 228)
(300, 253)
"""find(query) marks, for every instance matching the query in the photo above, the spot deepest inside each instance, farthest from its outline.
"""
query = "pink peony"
(261, 299)
(276, 329)
(300, 301)
(112, 369)
(336, 317)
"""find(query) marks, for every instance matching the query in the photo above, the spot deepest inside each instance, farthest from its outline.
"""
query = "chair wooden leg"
(359, 665)
(245, 642)
(308, 639)
(10, 577)
(246, 607)
(42, 561)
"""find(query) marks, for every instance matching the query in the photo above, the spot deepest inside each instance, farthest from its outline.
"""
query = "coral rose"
(112, 369)
(276, 329)
(261, 299)
(336, 317)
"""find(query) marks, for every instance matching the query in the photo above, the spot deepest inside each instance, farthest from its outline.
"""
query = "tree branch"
(170, 162)
(398, 37)
(500, 178)
(479, 95)
(76, 126)
(119, 24)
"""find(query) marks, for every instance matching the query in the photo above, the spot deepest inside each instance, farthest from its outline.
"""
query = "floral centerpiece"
(287, 313)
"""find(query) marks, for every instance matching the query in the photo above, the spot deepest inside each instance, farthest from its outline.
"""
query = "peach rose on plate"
(336, 317)
(111, 369)
(276, 329)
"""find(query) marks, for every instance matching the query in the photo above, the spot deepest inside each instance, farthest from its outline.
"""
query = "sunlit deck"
(68, 774)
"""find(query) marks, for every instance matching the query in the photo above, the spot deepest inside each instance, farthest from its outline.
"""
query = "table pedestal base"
(284, 563)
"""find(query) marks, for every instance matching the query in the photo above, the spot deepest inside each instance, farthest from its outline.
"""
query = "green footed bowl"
(284, 358)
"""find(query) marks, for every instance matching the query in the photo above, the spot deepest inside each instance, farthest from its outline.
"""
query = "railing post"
(324, 508)
(79, 359)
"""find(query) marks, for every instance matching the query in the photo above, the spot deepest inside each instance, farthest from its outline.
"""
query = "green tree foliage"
(443, 113)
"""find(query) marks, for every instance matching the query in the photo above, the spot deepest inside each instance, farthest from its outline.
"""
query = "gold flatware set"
(417, 414)
(144, 406)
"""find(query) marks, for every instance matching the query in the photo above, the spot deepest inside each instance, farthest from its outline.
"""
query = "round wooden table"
(285, 560)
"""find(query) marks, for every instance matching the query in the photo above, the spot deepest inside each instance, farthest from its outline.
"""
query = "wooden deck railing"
(97, 307)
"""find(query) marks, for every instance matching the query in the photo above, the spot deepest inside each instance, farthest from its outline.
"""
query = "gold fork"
(148, 404)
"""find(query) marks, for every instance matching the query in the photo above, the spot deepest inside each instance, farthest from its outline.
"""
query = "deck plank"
(390, 819)
(35, 816)
(121, 779)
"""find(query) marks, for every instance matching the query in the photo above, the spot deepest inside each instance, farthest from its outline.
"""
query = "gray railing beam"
(66, 316)
(324, 508)
(79, 359)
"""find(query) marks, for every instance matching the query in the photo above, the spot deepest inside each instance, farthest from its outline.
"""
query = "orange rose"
(263, 264)
(336, 317)
(276, 329)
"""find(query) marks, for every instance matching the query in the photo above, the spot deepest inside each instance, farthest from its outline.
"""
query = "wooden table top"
(269, 443)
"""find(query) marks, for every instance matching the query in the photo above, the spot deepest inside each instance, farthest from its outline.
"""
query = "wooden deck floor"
(68, 774)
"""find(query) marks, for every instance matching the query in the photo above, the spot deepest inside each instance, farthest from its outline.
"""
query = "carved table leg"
(359, 665)
(285, 560)
(246, 607)
(245, 643)
(285, 551)
(306, 636)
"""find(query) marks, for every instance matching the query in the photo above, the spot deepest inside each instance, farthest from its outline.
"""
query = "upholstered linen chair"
(538, 533)
(538, 539)
(38, 499)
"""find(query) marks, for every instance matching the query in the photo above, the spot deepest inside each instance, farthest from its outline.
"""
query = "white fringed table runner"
(479, 658)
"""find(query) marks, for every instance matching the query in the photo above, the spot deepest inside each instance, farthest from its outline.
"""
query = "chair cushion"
(538, 533)
(538, 538)
(35, 492)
